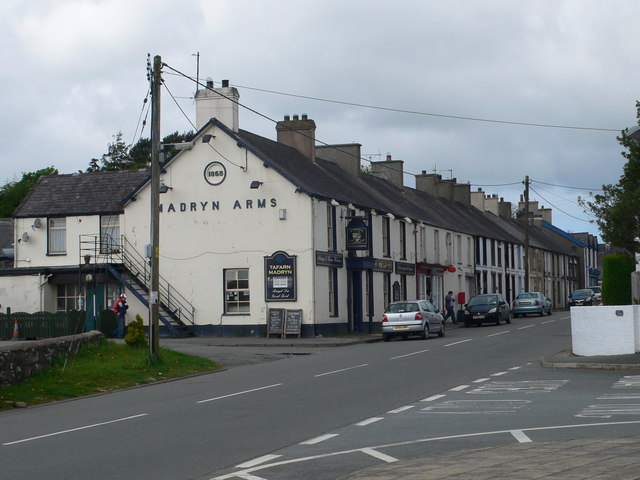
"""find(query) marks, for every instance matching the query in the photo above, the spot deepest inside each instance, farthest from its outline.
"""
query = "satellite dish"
(36, 223)
(25, 237)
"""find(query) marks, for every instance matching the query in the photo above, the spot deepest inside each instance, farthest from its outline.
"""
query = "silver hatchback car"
(411, 317)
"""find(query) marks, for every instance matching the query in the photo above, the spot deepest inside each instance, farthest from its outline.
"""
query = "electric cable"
(556, 207)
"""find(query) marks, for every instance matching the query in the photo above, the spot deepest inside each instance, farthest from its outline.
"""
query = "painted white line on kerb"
(239, 393)
(258, 461)
(458, 388)
(499, 333)
(408, 354)
(520, 436)
(401, 409)
(369, 421)
(480, 380)
(341, 370)
(457, 343)
(498, 374)
(526, 326)
(432, 398)
(548, 321)
(379, 455)
(319, 439)
(75, 429)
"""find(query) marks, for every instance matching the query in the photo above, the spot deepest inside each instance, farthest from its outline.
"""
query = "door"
(356, 300)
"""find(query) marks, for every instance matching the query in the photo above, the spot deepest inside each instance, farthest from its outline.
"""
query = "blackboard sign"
(275, 321)
(294, 322)
(280, 277)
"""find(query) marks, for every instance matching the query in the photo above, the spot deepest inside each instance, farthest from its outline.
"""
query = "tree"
(617, 209)
(12, 193)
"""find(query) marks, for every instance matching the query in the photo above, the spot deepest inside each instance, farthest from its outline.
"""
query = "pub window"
(403, 287)
(459, 249)
(331, 228)
(499, 254)
(69, 297)
(449, 247)
(367, 290)
(386, 285)
(236, 290)
(333, 292)
(386, 244)
(436, 245)
(423, 244)
(403, 240)
(57, 236)
(109, 233)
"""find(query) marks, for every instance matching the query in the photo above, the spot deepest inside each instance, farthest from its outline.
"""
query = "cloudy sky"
(460, 87)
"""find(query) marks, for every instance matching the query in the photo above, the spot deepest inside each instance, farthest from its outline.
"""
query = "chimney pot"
(388, 157)
(209, 83)
(295, 117)
(424, 172)
(304, 116)
(225, 83)
(287, 118)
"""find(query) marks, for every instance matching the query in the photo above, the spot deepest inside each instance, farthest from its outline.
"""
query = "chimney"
(389, 170)
(428, 182)
(491, 204)
(545, 213)
(299, 134)
(449, 189)
(504, 209)
(477, 199)
(220, 103)
(462, 193)
(346, 156)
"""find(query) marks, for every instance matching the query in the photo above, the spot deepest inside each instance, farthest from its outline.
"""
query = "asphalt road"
(260, 419)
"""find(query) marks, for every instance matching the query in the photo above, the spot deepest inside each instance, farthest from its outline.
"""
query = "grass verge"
(103, 367)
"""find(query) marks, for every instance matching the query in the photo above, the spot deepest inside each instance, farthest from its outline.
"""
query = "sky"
(486, 92)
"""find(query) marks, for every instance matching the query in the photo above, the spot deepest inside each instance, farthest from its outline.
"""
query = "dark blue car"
(487, 308)
(582, 296)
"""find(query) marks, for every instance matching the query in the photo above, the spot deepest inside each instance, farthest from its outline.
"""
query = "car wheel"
(541, 314)
(425, 332)
(467, 325)
(549, 312)
(386, 338)
(509, 319)
(405, 337)
(498, 320)
(441, 332)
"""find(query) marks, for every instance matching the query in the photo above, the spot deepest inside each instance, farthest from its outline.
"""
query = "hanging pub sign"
(357, 235)
(280, 277)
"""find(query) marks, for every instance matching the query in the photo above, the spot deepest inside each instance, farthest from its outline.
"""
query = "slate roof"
(6, 233)
(81, 193)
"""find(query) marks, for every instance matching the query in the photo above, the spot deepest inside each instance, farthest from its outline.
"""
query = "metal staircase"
(134, 272)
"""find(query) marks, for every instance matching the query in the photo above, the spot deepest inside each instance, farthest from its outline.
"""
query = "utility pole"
(154, 300)
(526, 233)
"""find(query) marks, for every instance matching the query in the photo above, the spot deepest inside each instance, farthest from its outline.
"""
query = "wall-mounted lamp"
(165, 188)
(255, 184)
(282, 214)
(391, 216)
(335, 203)
(207, 137)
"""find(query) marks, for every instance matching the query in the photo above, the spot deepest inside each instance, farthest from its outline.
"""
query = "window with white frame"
(436, 245)
(386, 242)
(386, 282)
(57, 236)
(236, 291)
(367, 297)
(423, 244)
(109, 233)
(331, 220)
(403, 240)
(69, 297)
(333, 304)
(459, 248)
(449, 247)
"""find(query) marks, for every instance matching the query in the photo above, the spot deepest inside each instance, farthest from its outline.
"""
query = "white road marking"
(458, 388)
(520, 436)
(480, 380)
(248, 476)
(319, 439)
(401, 409)
(458, 343)
(628, 381)
(240, 474)
(548, 321)
(432, 398)
(499, 333)
(525, 386)
(609, 410)
(379, 455)
(368, 421)
(258, 461)
(498, 374)
(408, 354)
(514, 368)
(526, 326)
(475, 407)
(341, 370)
(75, 429)
(239, 393)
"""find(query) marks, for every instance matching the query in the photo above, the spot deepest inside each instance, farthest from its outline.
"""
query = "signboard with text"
(280, 277)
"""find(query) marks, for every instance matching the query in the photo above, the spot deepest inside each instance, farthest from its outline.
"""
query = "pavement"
(580, 459)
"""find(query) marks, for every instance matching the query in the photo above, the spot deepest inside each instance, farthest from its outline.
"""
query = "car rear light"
(384, 319)
(419, 316)
(537, 302)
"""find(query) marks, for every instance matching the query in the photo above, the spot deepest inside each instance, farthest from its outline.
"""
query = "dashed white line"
(526, 326)
(258, 461)
(498, 374)
(520, 436)
(75, 429)
(379, 455)
(548, 321)
(432, 398)
(341, 370)
(369, 421)
(408, 354)
(458, 388)
(458, 343)
(401, 409)
(239, 393)
(499, 333)
(480, 380)
(319, 439)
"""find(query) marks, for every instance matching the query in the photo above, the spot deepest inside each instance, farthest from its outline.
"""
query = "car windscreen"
(582, 293)
(484, 300)
(596, 289)
(402, 307)
(527, 295)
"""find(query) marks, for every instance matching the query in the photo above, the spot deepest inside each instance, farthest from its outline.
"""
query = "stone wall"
(23, 359)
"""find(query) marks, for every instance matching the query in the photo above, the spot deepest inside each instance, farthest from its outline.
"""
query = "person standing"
(449, 305)
(121, 306)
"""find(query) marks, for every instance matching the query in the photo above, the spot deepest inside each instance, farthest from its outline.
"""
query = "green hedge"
(616, 279)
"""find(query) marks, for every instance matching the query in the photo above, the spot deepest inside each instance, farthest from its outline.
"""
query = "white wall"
(605, 330)
(21, 293)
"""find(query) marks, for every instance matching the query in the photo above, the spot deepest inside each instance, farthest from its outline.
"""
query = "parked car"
(598, 291)
(582, 296)
(487, 308)
(411, 317)
(531, 302)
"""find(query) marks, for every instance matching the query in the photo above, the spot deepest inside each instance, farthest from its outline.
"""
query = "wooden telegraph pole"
(526, 233)
(154, 299)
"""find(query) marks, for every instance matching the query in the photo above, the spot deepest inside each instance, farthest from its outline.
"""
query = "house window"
(499, 254)
(386, 285)
(423, 244)
(403, 287)
(367, 294)
(449, 247)
(57, 236)
(331, 228)
(469, 251)
(236, 290)
(69, 297)
(459, 249)
(403, 240)
(436, 245)
(109, 233)
(333, 292)
(386, 244)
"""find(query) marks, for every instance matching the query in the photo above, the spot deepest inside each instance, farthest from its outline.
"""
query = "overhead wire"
(558, 208)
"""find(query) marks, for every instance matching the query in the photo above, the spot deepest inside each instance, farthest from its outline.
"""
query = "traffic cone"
(16, 331)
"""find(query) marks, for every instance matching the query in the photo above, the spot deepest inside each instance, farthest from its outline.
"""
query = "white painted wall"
(21, 293)
(605, 330)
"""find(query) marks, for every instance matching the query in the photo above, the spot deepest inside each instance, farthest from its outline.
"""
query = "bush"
(616, 279)
(135, 336)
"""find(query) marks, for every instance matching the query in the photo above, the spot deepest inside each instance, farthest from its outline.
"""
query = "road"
(327, 414)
